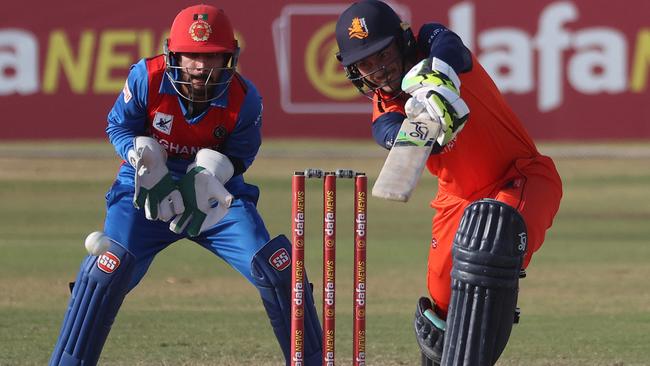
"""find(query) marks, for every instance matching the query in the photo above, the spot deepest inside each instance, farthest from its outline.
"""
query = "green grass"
(584, 302)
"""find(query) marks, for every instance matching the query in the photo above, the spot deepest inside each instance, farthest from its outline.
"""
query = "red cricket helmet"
(202, 29)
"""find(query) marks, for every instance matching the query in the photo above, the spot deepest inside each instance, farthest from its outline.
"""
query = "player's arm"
(411, 134)
(411, 141)
(385, 128)
(436, 40)
(434, 83)
(127, 118)
(155, 190)
(244, 142)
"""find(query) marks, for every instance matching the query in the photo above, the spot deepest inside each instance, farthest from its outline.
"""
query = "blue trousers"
(239, 239)
(235, 239)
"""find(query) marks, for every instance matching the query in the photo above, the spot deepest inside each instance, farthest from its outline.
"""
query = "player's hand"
(206, 199)
(155, 190)
(434, 83)
(425, 128)
(429, 330)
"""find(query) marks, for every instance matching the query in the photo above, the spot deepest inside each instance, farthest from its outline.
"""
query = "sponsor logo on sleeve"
(127, 92)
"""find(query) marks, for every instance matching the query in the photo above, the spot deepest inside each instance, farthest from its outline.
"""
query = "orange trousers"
(532, 186)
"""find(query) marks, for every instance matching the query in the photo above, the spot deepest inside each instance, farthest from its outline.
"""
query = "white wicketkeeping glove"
(206, 199)
(154, 187)
(433, 83)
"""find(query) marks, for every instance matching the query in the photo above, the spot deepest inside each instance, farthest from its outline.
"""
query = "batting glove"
(206, 199)
(434, 84)
(155, 190)
(429, 330)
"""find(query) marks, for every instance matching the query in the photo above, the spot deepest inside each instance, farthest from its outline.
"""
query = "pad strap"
(488, 254)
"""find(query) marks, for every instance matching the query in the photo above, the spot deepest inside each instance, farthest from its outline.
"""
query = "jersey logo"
(219, 132)
(358, 28)
(280, 260)
(127, 92)
(163, 122)
(258, 120)
(108, 262)
(200, 29)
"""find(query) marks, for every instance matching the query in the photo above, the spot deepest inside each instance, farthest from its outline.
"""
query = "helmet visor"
(200, 84)
(383, 71)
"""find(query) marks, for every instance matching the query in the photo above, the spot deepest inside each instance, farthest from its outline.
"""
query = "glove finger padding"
(429, 330)
(162, 202)
(212, 199)
(210, 187)
(165, 210)
(428, 125)
(179, 223)
(136, 162)
(435, 84)
(171, 206)
(155, 190)
(206, 200)
(452, 115)
(414, 107)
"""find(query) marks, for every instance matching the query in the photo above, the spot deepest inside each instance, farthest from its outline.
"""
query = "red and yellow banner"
(571, 69)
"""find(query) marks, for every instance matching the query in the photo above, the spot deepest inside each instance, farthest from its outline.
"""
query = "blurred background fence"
(572, 70)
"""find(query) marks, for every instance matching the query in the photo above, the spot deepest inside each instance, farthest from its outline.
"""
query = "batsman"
(187, 126)
(435, 106)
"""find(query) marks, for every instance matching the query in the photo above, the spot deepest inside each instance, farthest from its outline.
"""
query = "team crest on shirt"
(163, 122)
(219, 132)
(358, 28)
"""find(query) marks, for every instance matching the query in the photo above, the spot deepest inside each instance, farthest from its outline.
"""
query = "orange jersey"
(492, 138)
(492, 157)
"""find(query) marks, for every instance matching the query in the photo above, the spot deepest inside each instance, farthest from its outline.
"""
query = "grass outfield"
(585, 300)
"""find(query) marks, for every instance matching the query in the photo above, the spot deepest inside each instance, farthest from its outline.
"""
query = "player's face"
(201, 71)
(383, 69)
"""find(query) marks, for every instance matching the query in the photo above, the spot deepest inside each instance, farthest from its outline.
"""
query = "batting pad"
(487, 257)
(271, 271)
(100, 288)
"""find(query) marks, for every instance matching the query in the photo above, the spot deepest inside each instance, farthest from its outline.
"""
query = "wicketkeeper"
(497, 195)
(187, 126)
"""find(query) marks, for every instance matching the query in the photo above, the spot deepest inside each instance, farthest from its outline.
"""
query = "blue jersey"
(149, 106)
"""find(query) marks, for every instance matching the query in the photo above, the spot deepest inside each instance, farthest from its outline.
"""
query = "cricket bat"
(406, 160)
